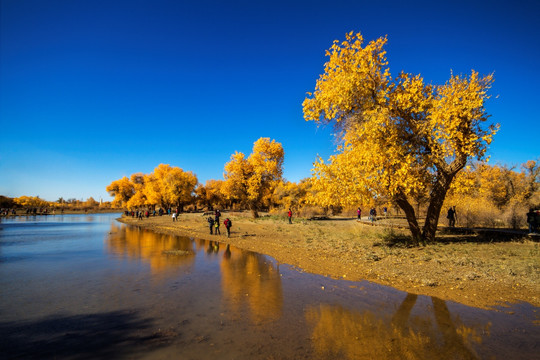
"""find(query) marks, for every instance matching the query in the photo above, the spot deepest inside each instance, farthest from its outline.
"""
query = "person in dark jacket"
(211, 224)
(228, 224)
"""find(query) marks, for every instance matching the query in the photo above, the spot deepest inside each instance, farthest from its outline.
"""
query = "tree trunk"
(254, 210)
(255, 213)
(438, 194)
(403, 203)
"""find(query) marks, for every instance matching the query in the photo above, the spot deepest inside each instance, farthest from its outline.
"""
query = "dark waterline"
(86, 286)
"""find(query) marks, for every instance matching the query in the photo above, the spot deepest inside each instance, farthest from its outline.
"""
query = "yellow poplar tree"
(252, 180)
(399, 136)
(290, 195)
(139, 198)
(122, 190)
(169, 186)
(210, 194)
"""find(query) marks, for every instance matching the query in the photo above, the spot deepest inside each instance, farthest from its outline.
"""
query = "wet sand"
(465, 271)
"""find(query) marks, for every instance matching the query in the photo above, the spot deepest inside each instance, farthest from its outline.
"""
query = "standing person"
(228, 225)
(211, 224)
(359, 213)
(216, 224)
(373, 214)
(451, 216)
(385, 211)
(289, 215)
(531, 220)
(217, 215)
(174, 217)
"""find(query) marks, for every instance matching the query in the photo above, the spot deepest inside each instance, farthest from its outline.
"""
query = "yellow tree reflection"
(341, 333)
(247, 279)
(158, 250)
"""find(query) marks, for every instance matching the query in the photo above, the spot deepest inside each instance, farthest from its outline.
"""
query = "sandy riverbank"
(458, 269)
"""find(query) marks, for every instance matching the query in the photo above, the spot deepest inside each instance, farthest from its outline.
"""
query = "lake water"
(86, 287)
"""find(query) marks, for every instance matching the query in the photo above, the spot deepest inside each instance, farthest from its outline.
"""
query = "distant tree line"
(44, 206)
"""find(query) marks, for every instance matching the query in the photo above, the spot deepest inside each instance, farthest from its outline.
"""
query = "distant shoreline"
(65, 212)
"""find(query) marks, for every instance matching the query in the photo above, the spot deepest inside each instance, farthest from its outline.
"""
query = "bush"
(515, 215)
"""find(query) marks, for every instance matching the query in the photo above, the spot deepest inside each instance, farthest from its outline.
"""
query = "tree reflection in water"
(251, 288)
(134, 243)
(364, 335)
(248, 279)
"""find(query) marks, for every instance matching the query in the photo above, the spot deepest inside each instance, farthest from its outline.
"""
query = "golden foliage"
(166, 186)
(289, 194)
(494, 195)
(31, 202)
(211, 193)
(401, 137)
(251, 181)
(122, 190)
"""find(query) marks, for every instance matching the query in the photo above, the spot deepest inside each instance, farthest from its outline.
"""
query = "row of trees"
(35, 202)
(485, 195)
(496, 196)
(249, 182)
(167, 186)
(402, 143)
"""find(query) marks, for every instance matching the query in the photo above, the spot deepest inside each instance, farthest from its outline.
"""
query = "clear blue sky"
(92, 90)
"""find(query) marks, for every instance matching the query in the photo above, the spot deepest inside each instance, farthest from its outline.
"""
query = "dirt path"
(472, 273)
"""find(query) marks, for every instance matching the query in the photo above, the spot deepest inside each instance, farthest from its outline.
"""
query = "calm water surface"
(86, 286)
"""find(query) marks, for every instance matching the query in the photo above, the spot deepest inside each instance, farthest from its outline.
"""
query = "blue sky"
(93, 90)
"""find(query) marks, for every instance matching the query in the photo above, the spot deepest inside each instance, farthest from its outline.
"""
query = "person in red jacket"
(228, 225)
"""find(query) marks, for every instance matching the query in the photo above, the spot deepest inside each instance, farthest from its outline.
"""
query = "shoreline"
(484, 275)
(65, 212)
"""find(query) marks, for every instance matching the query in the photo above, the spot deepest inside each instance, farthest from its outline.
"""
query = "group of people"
(6, 212)
(139, 214)
(533, 217)
(372, 213)
(214, 224)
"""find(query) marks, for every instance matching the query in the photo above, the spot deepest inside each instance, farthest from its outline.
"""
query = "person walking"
(289, 215)
(359, 213)
(228, 224)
